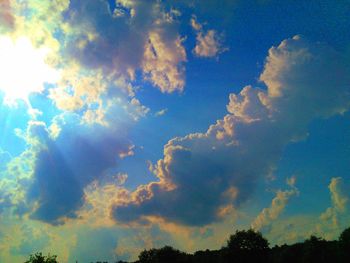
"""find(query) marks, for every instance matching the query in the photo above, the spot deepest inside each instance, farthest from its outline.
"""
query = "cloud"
(76, 90)
(65, 165)
(203, 176)
(79, 33)
(14, 181)
(144, 36)
(139, 37)
(121, 178)
(139, 109)
(209, 43)
(340, 203)
(40, 22)
(162, 63)
(94, 96)
(6, 18)
(5, 157)
(278, 204)
(339, 194)
(161, 112)
(329, 224)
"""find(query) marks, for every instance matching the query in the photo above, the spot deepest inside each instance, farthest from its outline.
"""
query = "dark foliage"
(247, 246)
(244, 247)
(165, 254)
(39, 258)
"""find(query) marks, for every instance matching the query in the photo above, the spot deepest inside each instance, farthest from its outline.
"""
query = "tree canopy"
(40, 258)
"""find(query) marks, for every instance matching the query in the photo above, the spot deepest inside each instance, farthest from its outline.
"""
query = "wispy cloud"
(278, 204)
(161, 112)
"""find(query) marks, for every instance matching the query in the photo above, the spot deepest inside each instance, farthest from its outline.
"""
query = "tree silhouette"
(344, 245)
(287, 253)
(318, 250)
(247, 246)
(344, 237)
(165, 254)
(207, 256)
(39, 258)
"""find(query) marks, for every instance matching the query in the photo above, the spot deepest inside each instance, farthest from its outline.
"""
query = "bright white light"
(23, 69)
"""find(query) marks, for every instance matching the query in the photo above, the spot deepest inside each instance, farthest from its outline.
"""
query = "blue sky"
(133, 124)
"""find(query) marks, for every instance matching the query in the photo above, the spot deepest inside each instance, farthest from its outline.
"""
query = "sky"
(132, 124)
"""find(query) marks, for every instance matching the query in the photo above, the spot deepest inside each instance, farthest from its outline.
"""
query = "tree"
(287, 253)
(164, 254)
(247, 246)
(39, 258)
(207, 256)
(344, 245)
(344, 238)
(319, 250)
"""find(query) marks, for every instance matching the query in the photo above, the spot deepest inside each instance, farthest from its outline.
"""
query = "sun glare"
(23, 69)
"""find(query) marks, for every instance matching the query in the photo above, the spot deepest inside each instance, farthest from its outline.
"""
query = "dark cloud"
(65, 165)
(202, 176)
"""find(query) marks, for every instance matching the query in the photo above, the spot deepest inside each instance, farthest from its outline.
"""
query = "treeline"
(248, 246)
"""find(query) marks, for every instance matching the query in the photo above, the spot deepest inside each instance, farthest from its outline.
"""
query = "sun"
(23, 69)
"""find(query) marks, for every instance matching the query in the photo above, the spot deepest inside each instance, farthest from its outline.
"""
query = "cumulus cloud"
(204, 175)
(162, 63)
(95, 84)
(94, 96)
(139, 37)
(144, 36)
(278, 204)
(208, 43)
(76, 90)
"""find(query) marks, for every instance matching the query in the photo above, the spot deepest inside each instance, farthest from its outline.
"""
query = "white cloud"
(161, 112)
